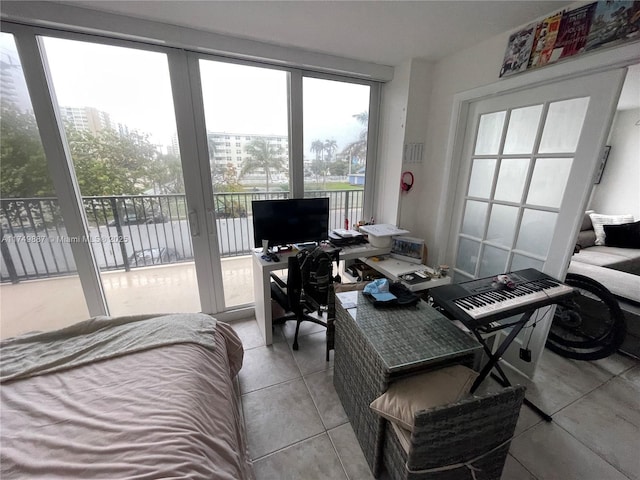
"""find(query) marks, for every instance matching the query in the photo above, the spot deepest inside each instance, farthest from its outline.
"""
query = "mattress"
(168, 411)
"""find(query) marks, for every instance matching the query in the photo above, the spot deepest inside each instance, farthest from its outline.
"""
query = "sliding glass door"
(117, 110)
(246, 117)
(158, 153)
(40, 287)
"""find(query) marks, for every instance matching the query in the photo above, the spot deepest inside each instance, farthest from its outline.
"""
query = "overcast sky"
(133, 87)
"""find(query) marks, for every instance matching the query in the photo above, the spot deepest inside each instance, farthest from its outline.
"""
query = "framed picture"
(603, 162)
(409, 249)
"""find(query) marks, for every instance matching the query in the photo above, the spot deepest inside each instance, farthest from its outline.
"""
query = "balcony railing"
(134, 231)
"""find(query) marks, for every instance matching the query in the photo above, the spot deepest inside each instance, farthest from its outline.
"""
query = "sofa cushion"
(410, 395)
(599, 221)
(623, 259)
(621, 284)
(626, 235)
(586, 238)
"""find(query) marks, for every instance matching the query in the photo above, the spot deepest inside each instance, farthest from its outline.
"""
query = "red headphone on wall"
(404, 184)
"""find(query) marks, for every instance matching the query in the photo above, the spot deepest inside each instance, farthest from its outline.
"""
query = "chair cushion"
(439, 387)
(404, 436)
(600, 220)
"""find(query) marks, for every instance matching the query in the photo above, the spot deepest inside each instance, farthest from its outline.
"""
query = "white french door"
(527, 169)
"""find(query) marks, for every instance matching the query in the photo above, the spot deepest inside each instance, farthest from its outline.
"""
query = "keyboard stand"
(494, 359)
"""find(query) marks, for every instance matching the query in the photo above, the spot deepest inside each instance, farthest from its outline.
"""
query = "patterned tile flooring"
(297, 429)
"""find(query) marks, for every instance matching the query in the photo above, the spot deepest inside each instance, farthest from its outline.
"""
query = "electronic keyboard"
(479, 302)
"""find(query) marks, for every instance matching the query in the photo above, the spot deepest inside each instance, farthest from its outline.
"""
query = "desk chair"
(289, 295)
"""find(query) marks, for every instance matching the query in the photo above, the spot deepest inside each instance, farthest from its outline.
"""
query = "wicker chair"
(476, 430)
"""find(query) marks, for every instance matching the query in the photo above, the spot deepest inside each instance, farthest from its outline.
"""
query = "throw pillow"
(626, 235)
(586, 239)
(600, 220)
(406, 397)
(586, 221)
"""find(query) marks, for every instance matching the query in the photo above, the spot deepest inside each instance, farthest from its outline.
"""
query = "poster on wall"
(605, 23)
(614, 22)
(516, 58)
(574, 30)
(545, 40)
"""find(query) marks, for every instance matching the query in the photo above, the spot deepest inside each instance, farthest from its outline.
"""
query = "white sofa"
(616, 268)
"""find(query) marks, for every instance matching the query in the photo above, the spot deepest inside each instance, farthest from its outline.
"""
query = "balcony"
(53, 303)
(142, 245)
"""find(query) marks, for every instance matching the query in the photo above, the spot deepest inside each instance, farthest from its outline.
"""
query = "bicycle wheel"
(588, 326)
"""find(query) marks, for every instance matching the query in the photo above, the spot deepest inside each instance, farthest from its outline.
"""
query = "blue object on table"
(379, 289)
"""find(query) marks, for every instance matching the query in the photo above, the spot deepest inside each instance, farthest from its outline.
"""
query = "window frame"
(56, 148)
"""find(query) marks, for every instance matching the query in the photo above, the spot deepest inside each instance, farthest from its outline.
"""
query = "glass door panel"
(335, 120)
(40, 287)
(536, 191)
(117, 108)
(481, 178)
(511, 179)
(246, 116)
(474, 218)
(549, 180)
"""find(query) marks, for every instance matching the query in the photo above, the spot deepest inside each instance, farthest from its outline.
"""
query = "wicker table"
(374, 347)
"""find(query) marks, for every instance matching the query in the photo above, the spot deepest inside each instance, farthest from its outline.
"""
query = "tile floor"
(297, 429)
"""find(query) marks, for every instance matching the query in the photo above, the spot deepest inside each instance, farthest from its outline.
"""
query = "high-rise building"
(227, 148)
(13, 87)
(86, 118)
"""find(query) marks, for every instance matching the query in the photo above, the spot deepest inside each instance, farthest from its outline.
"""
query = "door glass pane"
(536, 231)
(520, 262)
(247, 127)
(474, 217)
(467, 255)
(523, 126)
(549, 180)
(336, 121)
(33, 238)
(511, 179)
(118, 113)
(481, 178)
(494, 261)
(563, 126)
(489, 133)
(502, 224)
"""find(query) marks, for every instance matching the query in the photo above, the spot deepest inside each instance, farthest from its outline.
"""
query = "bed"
(122, 398)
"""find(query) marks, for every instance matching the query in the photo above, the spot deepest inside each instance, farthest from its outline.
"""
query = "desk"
(392, 268)
(262, 281)
(374, 347)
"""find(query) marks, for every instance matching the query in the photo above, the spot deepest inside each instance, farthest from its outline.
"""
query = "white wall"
(471, 68)
(403, 119)
(416, 128)
(393, 115)
(619, 190)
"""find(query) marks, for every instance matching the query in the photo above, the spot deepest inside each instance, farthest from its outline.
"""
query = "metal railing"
(134, 231)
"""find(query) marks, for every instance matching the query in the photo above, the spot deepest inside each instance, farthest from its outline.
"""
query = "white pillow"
(599, 220)
(405, 397)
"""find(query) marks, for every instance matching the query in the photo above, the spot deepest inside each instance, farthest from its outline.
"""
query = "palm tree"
(265, 156)
(330, 146)
(358, 149)
(317, 147)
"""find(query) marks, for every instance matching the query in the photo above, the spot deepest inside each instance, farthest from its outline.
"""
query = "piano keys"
(480, 302)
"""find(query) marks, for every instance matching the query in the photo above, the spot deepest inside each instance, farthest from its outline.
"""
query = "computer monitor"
(285, 222)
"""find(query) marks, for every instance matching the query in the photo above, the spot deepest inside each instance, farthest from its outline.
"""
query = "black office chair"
(290, 296)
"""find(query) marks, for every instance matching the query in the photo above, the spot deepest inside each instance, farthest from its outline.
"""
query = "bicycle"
(588, 326)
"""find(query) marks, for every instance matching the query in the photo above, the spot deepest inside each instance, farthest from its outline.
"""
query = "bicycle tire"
(590, 326)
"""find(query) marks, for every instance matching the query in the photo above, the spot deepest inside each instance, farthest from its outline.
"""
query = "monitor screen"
(285, 222)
